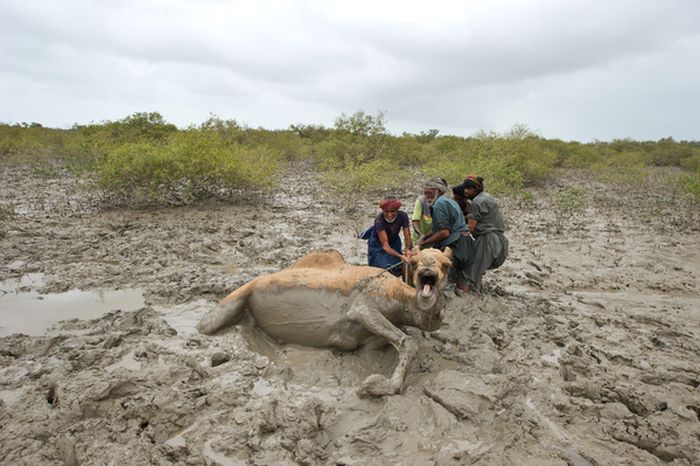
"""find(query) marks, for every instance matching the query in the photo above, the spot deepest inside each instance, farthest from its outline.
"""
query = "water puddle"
(24, 310)
(184, 317)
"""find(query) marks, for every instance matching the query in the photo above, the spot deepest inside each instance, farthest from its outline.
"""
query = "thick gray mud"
(583, 350)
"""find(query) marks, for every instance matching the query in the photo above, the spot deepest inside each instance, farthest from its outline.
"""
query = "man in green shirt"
(422, 220)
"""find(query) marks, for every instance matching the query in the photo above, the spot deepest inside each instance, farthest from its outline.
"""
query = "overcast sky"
(569, 69)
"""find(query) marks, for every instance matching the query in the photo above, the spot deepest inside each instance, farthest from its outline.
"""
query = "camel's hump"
(329, 259)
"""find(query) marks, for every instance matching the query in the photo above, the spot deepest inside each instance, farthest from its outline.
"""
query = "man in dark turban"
(487, 227)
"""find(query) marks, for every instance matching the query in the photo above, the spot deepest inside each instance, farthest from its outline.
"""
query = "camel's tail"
(228, 312)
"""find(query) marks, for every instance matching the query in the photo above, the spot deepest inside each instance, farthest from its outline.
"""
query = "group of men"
(470, 224)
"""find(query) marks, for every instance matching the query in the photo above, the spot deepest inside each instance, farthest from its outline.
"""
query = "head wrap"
(458, 190)
(390, 203)
(474, 182)
(437, 183)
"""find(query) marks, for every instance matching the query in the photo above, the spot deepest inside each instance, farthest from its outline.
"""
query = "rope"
(393, 266)
(367, 280)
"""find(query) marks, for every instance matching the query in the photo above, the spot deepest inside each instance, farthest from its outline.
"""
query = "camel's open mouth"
(426, 284)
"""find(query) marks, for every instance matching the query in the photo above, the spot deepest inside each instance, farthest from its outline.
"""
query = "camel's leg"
(228, 312)
(374, 321)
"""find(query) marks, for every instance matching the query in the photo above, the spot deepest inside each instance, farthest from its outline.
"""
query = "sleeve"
(417, 210)
(477, 210)
(441, 218)
(379, 224)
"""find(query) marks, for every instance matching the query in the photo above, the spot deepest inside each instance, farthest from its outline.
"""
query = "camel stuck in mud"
(322, 301)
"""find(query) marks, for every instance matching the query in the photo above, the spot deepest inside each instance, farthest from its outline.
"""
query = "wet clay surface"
(583, 350)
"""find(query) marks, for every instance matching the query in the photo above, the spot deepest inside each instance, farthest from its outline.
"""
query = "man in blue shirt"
(449, 229)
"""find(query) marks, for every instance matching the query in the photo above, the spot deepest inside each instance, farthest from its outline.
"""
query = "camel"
(322, 301)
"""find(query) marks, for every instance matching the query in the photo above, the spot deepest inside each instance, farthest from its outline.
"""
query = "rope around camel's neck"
(365, 283)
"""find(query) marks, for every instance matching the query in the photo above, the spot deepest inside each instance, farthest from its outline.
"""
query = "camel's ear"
(415, 250)
(448, 252)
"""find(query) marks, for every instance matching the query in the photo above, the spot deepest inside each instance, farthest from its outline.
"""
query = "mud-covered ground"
(583, 350)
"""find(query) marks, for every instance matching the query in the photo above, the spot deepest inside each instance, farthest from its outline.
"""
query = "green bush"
(144, 154)
(361, 124)
(507, 162)
(526, 153)
(410, 152)
(192, 165)
(345, 149)
(692, 163)
(87, 145)
(356, 182)
(500, 178)
(626, 168)
(373, 178)
(690, 185)
(357, 139)
(31, 144)
(575, 155)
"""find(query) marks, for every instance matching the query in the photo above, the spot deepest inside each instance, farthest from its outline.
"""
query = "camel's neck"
(422, 317)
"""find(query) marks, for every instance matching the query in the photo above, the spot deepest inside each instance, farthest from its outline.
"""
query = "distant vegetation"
(144, 158)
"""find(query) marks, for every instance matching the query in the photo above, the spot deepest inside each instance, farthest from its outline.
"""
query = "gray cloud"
(576, 70)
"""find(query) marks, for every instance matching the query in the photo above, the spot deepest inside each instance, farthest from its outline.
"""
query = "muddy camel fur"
(322, 301)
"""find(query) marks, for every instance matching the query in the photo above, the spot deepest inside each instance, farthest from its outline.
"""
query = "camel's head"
(429, 273)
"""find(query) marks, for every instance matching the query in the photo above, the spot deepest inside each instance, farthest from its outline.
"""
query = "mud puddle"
(24, 310)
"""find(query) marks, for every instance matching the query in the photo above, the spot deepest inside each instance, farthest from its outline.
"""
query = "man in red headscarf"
(384, 246)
